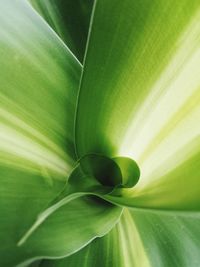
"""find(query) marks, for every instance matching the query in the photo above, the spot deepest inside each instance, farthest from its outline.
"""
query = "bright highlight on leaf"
(99, 133)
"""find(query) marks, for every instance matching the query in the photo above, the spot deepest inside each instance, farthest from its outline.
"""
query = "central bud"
(112, 172)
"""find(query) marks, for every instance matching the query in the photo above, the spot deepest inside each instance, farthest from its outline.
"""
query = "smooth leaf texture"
(140, 96)
(23, 194)
(85, 180)
(69, 19)
(79, 184)
(36, 149)
(139, 99)
(176, 190)
(39, 84)
(39, 81)
(69, 229)
(142, 239)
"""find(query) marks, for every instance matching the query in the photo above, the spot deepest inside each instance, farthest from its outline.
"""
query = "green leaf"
(34, 135)
(23, 194)
(87, 178)
(141, 90)
(79, 185)
(69, 229)
(69, 19)
(141, 68)
(139, 99)
(175, 190)
(39, 84)
(142, 238)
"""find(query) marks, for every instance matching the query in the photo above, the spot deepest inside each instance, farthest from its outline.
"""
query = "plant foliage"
(99, 133)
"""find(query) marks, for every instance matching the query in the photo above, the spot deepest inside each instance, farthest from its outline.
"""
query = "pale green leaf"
(69, 19)
(69, 229)
(93, 175)
(39, 82)
(141, 68)
(140, 96)
(175, 190)
(142, 238)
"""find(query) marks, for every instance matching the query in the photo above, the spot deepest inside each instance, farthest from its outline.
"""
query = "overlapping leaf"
(70, 19)
(39, 84)
(142, 238)
(139, 97)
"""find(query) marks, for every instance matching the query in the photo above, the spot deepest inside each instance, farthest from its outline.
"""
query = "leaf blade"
(143, 94)
(142, 238)
(70, 20)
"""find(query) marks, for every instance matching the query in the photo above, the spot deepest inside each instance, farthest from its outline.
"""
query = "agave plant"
(99, 133)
